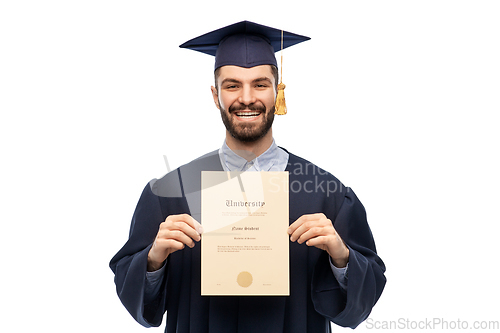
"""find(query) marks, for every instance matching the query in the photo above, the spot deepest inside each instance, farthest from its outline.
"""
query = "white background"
(398, 99)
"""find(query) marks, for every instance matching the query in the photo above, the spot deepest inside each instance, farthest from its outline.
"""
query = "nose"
(247, 96)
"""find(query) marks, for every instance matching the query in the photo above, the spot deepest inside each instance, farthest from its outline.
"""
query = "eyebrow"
(264, 78)
(260, 79)
(229, 81)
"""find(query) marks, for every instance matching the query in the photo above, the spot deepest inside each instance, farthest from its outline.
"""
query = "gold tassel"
(280, 105)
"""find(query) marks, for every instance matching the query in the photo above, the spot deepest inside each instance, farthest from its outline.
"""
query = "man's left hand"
(317, 230)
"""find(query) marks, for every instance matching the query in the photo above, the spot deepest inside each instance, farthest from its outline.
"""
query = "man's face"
(245, 98)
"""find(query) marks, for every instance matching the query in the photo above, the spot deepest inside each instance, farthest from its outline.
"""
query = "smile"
(247, 114)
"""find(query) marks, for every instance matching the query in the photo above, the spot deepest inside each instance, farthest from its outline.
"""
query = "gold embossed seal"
(244, 279)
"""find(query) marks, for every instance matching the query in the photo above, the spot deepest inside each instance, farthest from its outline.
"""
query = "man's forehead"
(261, 71)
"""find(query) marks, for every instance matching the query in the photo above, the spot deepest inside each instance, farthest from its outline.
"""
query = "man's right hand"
(174, 234)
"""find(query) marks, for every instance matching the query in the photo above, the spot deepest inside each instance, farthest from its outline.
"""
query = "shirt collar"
(273, 159)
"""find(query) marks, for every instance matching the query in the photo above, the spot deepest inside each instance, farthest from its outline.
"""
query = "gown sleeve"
(130, 264)
(365, 280)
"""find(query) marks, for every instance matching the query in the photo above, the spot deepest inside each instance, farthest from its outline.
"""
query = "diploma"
(244, 246)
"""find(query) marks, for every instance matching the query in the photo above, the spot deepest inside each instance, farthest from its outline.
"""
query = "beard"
(247, 132)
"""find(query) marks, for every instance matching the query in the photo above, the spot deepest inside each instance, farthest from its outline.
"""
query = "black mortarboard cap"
(245, 44)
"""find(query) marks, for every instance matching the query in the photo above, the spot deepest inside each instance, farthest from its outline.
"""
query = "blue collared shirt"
(273, 159)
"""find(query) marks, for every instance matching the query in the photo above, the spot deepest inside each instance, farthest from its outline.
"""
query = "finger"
(311, 232)
(182, 220)
(295, 225)
(170, 244)
(304, 218)
(181, 227)
(320, 228)
(302, 225)
(162, 247)
(307, 234)
(316, 241)
(198, 227)
(192, 222)
(176, 235)
(311, 226)
(321, 242)
(298, 232)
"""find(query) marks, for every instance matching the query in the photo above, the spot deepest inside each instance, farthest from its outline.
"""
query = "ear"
(215, 95)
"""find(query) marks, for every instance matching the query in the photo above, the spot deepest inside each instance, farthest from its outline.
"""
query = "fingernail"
(198, 227)
(289, 231)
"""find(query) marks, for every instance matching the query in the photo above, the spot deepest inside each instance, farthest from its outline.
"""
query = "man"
(335, 272)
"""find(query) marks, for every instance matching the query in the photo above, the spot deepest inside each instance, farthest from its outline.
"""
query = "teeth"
(247, 114)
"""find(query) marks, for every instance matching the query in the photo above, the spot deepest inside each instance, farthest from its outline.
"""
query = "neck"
(250, 150)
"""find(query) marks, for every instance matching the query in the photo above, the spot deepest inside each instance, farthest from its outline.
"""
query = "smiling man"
(245, 98)
(335, 272)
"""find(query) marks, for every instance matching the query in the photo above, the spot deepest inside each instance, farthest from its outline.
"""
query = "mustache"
(251, 107)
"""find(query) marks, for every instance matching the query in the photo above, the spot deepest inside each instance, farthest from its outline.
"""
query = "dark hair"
(274, 70)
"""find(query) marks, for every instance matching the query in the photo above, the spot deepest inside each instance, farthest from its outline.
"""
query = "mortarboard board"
(246, 44)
